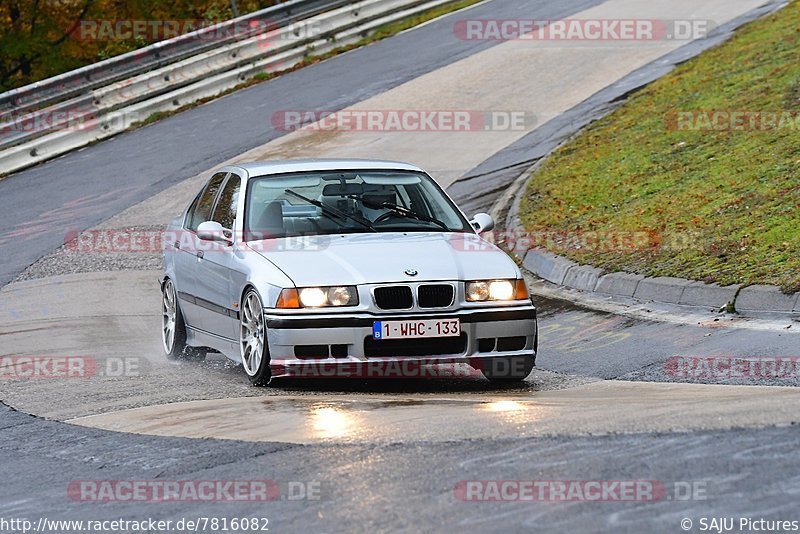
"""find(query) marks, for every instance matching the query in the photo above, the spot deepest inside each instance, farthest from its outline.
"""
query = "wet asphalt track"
(409, 487)
(577, 346)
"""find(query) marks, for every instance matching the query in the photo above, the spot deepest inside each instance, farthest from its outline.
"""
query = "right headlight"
(318, 297)
(496, 290)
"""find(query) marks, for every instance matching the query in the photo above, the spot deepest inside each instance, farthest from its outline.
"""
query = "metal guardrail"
(90, 101)
(114, 107)
(73, 83)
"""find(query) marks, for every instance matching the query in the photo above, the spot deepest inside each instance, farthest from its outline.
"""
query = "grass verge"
(673, 190)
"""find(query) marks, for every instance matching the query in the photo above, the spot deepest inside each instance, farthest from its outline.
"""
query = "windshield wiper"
(405, 212)
(331, 209)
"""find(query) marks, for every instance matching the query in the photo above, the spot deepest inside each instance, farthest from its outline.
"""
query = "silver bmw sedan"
(341, 263)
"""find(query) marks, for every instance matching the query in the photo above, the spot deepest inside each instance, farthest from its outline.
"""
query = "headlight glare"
(320, 297)
(477, 291)
(313, 297)
(496, 290)
(501, 290)
(342, 296)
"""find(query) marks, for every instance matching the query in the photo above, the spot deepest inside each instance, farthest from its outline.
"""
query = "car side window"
(225, 210)
(190, 212)
(201, 211)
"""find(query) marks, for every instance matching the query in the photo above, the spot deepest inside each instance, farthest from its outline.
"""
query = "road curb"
(767, 298)
(668, 290)
(566, 273)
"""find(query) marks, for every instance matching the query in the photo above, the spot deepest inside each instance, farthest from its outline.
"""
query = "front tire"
(507, 369)
(253, 344)
(173, 327)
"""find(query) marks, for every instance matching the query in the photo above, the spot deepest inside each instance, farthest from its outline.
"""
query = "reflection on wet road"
(596, 408)
(332, 422)
(577, 347)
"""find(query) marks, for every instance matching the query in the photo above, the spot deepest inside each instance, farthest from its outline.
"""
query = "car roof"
(262, 168)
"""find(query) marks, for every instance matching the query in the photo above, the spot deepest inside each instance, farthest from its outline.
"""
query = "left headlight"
(483, 290)
(320, 297)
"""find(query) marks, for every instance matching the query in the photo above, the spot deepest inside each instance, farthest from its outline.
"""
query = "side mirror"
(212, 231)
(482, 222)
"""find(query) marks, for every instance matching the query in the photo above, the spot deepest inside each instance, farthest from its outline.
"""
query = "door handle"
(177, 245)
(199, 254)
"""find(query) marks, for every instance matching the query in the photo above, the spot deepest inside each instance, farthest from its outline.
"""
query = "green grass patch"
(717, 205)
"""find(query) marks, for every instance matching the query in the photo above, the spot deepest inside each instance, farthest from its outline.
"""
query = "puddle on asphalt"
(363, 405)
(332, 419)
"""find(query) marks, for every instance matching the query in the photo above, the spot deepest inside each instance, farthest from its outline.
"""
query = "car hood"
(354, 259)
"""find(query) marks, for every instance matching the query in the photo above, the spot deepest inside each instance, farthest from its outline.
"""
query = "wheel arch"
(248, 286)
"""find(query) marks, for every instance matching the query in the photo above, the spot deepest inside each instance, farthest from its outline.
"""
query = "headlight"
(482, 290)
(313, 297)
(477, 291)
(501, 290)
(319, 297)
(342, 296)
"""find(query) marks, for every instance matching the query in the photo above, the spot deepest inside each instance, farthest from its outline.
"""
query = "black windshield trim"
(466, 226)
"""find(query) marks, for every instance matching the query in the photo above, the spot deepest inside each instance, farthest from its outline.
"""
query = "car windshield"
(335, 202)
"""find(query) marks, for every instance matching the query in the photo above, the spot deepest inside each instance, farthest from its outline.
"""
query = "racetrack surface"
(118, 321)
(387, 452)
(409, 487)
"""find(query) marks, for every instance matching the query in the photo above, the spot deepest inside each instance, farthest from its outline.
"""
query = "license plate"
(416, 329)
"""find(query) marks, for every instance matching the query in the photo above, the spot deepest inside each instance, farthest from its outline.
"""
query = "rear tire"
(253, 343)
(173, 328)
(507, 369)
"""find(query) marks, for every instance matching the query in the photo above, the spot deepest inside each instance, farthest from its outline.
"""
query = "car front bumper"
(344, 341)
